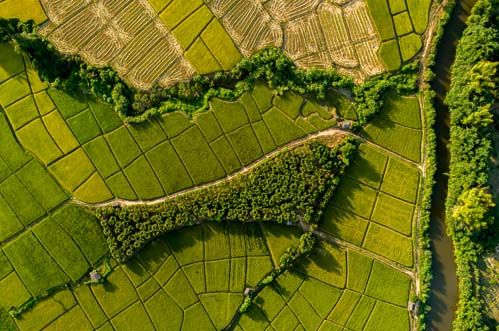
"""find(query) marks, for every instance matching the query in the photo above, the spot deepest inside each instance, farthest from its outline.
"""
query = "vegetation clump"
(469, 206)
(294, 186)
(270, 65)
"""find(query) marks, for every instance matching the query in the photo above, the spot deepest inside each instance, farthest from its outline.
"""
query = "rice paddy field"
(62, 156)
(167, 41)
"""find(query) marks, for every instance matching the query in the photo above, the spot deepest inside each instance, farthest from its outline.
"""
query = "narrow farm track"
(343, 244)
(331, 132)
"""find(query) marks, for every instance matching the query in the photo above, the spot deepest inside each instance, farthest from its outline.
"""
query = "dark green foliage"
(293, 186)
(270, 66)
(369, 97)
(472, 94)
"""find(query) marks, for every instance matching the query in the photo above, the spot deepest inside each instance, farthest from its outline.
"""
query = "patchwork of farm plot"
(333, 289)
(191, 279)
(378, 198)
(155, 158)
(167, 41)
(195, 278)
(401, 40)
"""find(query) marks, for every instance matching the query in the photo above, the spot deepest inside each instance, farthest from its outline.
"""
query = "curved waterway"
(444, 292)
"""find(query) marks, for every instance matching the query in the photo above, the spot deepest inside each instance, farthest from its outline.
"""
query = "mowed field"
(155, 158)
(168, 41)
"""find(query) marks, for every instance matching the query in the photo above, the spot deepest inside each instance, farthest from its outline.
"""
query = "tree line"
(269, 66)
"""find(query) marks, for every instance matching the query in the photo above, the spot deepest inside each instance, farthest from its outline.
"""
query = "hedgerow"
(469, 207)
(291, 187)
(270, 65)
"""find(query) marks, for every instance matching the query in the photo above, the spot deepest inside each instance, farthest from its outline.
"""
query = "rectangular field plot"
(67, 174)
(387, 317)
(389, 285)
(133, 318)
(10, 150)
(394, 213)
(245, 144)
(175, 123)
(9, 222)
(230, 115)
(143, 180)
(14, 89)
(107, 118)
(84, 126)
(93, 190)
(187, 31)
(22, 112)
(355, 197)
(226, 155)
(41, 185)
(46, 311)
(99, 152)
(343, 224)
(171, 173)
(120, 187)
(221, 45)
(201, 58)
(35, 138)
(389, 244)
(14, 293)
(401, 180)
(62, 248)
(84, 229)
(60, 132)
(264, 137)
(359, 268)
(402, 110)
(197, 156)
(397, 138)
(122, 296)
(208, 125)
(42, 272)
(282, 129)
(20, 200)
(123, 146)
(368, 166)
(12, 63)
(68, 105)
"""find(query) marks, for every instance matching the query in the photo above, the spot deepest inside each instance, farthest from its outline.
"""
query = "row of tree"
(469, 204)
(294, 186)
(269, 66)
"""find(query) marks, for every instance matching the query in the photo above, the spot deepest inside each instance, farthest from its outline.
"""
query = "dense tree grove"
(291, 187)
(270, 66)
(469, 206)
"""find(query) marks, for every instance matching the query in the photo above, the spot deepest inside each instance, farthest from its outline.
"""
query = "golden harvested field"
(168, 41)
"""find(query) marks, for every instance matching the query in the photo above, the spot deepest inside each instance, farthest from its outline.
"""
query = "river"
(444, 293)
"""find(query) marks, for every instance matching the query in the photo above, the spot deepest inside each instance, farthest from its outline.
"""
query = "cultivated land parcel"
(184, 214)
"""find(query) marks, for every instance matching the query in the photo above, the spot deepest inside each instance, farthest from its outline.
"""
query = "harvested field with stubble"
(124, 34)
(168, 41)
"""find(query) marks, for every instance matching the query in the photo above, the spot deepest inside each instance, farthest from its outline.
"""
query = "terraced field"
(167, 41)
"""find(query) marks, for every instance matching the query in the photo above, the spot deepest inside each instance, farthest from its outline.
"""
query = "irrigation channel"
(444, 291)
